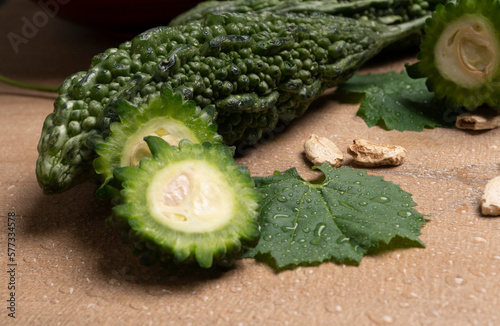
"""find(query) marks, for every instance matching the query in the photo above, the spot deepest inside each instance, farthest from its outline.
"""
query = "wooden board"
(71, 270)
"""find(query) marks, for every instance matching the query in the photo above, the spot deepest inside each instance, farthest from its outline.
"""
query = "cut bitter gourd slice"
(189, 202)
(168, 116)
(460, 53)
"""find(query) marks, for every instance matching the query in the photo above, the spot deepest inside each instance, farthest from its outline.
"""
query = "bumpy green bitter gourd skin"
(460, 54)
(167, 116)
(189, 203)
(255, 69)
(381, 11)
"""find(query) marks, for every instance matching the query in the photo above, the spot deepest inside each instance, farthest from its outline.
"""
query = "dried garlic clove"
(490, 202)
(369, 154)
(481, 119)
(320, 150)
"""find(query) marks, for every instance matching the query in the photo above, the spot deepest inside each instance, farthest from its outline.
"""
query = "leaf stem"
(27, 85)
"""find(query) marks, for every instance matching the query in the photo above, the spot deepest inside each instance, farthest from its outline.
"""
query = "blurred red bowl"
(119, 16)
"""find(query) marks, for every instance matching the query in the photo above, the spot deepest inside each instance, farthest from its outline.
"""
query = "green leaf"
(340, 219)
(396, 101)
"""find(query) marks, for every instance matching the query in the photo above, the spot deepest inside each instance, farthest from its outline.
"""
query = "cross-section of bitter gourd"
(460, 54)
(189, 203)
(168, 116)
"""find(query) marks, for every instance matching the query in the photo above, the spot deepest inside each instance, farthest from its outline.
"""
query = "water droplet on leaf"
(315, 241)
(320, 227)
(282, 199)
(381, 199)
(342, 239)
(405, 213)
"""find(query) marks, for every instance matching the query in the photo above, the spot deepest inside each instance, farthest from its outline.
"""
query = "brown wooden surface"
(73, 271)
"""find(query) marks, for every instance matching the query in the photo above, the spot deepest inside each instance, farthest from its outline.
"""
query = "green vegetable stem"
(21, 84)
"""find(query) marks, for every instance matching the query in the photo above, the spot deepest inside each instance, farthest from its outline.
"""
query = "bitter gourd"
(381, 11)
(168, 116)
(460, 54)
(187, 203)
(255, 69)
